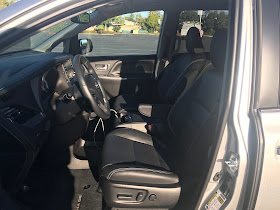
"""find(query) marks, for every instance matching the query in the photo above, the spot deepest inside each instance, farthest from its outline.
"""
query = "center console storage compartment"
(131, 120)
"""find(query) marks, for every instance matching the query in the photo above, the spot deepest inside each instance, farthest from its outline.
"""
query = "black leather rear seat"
(175, 77)
(137, 173)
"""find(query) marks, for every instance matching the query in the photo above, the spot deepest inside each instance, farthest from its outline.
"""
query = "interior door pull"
(101, 67)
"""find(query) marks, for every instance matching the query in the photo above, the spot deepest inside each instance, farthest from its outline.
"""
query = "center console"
(147, 115)
(131, 120)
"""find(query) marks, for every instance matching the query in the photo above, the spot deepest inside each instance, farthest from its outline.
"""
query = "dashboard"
(36, 94)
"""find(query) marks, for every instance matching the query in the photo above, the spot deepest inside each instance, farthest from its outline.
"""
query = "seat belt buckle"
(150, 129)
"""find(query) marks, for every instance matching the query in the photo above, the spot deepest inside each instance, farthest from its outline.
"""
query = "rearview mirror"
(81, 19)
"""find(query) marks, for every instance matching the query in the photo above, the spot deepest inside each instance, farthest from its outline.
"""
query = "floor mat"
(86, 197)
(61, 189)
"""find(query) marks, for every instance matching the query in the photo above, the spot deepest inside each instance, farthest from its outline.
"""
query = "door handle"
(101, 67)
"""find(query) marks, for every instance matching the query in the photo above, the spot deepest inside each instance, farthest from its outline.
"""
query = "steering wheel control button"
(152, 197)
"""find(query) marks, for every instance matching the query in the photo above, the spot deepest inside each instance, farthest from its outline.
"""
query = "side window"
(59, 48)
(206, 21)
(129, 34)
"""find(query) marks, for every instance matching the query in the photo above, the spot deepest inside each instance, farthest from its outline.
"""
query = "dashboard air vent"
(19, 115)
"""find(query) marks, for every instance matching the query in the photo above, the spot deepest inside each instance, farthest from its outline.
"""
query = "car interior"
(113, 131)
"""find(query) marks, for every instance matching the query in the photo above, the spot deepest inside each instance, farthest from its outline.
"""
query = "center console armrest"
(159, 111)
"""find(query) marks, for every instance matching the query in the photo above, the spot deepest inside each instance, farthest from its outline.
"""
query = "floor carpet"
(61, 189)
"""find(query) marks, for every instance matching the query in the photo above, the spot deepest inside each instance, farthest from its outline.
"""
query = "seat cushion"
(135, 160)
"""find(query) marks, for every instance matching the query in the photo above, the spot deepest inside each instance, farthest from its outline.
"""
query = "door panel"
(124, 52)
(125, 74)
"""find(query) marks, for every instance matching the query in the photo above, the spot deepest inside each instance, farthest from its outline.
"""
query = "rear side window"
(206, 21)
(129, 34)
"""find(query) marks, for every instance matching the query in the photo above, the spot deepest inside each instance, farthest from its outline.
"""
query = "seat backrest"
(193, 119)
(176, 75)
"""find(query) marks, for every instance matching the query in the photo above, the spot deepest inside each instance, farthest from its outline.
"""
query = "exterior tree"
(117, 29)
(222, 21)
(152, 22)
(100, 27)
(131, 17)
(107, 22)
(213, 20)
(188, 15)
(5, 3)
(138, 18)
(117, 20)
(142, 22)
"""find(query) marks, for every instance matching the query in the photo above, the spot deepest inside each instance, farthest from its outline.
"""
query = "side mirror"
(81, 19)
(85, 46)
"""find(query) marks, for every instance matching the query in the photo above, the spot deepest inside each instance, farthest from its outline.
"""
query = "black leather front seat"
(134, 173)
(141, 171)
(175, 77)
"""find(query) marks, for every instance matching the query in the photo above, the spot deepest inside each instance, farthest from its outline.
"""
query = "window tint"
(206, 21)
(37, 39)
(130, 34)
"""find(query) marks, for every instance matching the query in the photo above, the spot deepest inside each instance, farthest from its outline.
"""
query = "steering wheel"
(91, 87)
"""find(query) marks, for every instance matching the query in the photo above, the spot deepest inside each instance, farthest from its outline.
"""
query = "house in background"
(129, 23)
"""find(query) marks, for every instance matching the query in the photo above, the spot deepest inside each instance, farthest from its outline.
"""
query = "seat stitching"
(109, 164)
(143, 169)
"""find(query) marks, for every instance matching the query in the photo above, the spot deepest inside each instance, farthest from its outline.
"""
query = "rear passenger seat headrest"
(193, 41)
(218, 49)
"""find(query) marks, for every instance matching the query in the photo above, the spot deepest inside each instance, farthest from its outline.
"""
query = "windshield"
(39, 38)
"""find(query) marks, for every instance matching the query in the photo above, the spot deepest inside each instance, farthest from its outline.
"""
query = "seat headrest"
(193, 41)
(218, 49)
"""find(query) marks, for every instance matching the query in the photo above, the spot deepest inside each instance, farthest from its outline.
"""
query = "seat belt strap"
(161, 64)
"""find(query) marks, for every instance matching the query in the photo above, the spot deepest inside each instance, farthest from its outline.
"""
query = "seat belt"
(161, 64)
